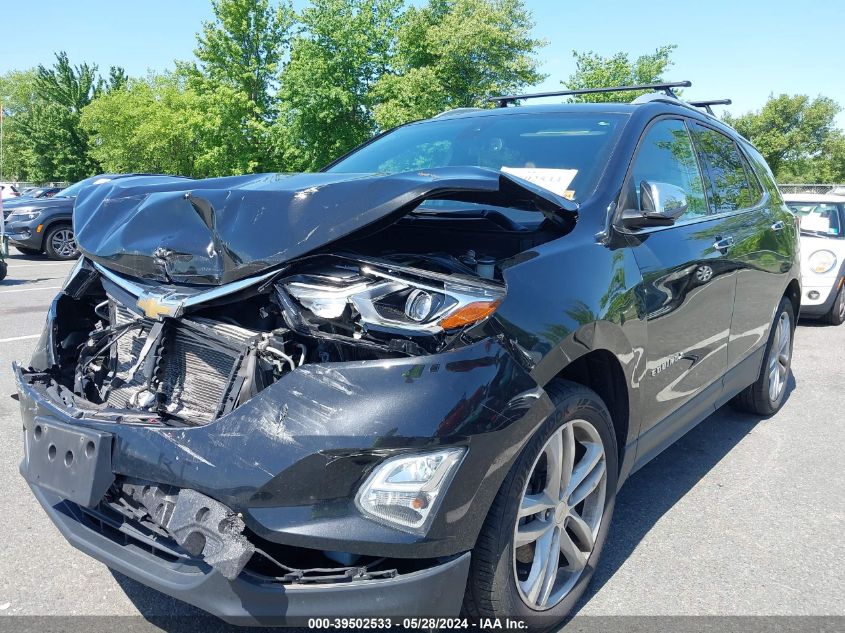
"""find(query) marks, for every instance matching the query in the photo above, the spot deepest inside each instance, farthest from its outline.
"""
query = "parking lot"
(742, 517)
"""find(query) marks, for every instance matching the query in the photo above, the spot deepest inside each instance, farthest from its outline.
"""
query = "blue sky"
(741, 49)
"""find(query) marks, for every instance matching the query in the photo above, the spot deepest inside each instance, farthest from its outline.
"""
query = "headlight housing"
(822, 261)
(397, 298)
(405, 491)
(24, 215)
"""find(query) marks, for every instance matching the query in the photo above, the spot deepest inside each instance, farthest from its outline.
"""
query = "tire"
(836, 316)
(28, 251)
(60, 243)
(500, 578)
(3, 270)
(765, 396)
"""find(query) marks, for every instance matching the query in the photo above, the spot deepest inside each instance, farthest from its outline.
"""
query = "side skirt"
(672, 428)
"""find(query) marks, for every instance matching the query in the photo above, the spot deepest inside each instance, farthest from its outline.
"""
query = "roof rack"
(710, 102)
(504, 100)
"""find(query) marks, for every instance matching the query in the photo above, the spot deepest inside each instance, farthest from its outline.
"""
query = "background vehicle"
(429, 368)
(40, 192)
(822, 219)
(8, 191)
(45, 225)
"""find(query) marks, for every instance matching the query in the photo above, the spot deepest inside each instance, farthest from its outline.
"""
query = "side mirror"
(661, 204)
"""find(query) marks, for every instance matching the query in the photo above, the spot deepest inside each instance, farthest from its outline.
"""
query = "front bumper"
(24, 234)
(818, 294)
(434, 591)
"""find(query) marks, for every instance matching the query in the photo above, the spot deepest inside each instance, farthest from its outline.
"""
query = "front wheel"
(765, 396)
(543, 535)
(837, 312)
(60, 243)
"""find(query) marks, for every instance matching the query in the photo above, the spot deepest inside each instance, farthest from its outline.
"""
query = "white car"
(822, 254)
(8, 190)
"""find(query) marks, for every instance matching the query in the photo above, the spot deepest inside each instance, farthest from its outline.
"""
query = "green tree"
(456, 53)
(44, 108)
(594, 71)
(238, 62)
(797, 136)
(59, 145)
(155, 125)
(17, 95)
(326, 97)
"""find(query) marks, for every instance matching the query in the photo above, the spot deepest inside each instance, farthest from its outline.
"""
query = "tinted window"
(818, 217)
(568, 150)
(726, 178)
(666, 155)
(74, 189)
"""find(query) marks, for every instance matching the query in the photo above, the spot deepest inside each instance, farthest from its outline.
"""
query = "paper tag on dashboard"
(815, 222)
(555, 180)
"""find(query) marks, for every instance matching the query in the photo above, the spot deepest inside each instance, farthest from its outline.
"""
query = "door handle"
(778, 226)
(722, 244)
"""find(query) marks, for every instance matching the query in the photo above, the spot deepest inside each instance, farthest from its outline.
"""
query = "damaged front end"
(231, 425)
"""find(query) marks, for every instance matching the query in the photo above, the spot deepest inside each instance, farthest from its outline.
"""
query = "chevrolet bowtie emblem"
(157, 306)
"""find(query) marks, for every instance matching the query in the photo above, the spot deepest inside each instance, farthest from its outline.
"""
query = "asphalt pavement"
(742, 517)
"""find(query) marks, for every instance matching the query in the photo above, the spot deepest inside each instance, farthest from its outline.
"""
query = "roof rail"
(504, 100)
(710, 102)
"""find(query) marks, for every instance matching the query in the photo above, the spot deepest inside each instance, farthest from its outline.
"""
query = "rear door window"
(730, 186)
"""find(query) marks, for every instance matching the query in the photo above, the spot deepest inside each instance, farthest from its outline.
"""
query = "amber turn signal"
(469, 314)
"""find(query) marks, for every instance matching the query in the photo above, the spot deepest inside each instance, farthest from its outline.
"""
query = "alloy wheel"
(64, 243)
(779, 357)
(560, 514)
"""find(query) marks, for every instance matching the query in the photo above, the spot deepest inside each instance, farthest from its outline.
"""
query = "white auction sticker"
(555, 180)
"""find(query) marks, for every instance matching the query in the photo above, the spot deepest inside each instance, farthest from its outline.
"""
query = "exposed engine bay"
(143, 359)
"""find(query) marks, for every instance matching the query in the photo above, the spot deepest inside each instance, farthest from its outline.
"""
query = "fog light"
(813, 294)
(404, 491)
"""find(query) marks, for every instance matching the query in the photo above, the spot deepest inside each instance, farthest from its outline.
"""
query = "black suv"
(427, 368)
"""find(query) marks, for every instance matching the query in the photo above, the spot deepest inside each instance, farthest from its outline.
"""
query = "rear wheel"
(765, 396)
(543, 535)
(60, 243)
(837, 311)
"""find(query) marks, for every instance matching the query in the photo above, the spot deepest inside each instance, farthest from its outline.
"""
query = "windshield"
(565, 153)
(819, 218)
(74, 189)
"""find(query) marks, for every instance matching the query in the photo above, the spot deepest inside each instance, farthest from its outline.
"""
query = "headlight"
(822, 261)
(406, 490)
(421, 302)
(24, 216)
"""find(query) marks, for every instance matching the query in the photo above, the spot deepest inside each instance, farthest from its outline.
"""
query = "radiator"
(198, 360)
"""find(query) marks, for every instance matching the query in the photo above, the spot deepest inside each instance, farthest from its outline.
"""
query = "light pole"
(1, 140)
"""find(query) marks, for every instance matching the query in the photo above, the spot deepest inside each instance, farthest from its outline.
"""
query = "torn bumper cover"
(248, 600)
(283, 469)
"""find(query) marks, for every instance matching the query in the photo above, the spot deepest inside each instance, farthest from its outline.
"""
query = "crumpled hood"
(219, 230)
